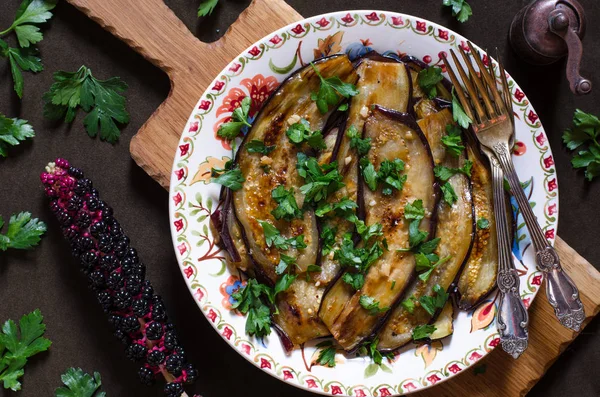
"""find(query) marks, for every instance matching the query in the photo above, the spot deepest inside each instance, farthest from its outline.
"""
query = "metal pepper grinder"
(545, 31)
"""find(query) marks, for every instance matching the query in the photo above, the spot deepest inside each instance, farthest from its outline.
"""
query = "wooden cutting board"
(153, 30)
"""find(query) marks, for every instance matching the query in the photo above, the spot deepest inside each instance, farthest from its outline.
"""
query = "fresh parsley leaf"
(274, 238)
(450, 196)
(388, 174)
(362, 146)
(80, 384)
(284, 283)
(414, 210)
(416, 236)
(343, 107)
(207, 7)
(369, 174)
(369, 348)
(458, 113)
(367, 232)
(444, 173)
(371, 305)
(17, 344)
(232, 178)
(327, 239)
(232, 129)
(284, 262)
(30, 12)
(460, 9)
(300, 132)
(483, 223)
(20, 59)
(428, 78)
(343, 208)
(586, 131)
(355, 280)
(423, 331)
(453, 140)
(321, 180)
(22, 233)
(101, 99)
(314, 269)
(326, 354)
(409, 304)
(287, 208)
(258, 146)
(359, 258)
(432, 303)
(330, 90)
(12, 132)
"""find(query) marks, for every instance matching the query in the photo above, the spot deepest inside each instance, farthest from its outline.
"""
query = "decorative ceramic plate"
(257, 72)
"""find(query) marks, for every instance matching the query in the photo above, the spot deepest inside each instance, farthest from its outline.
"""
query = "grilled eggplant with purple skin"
(478, 278)
(384, 82)
(444, 324)
(455, 229)
(393, 136)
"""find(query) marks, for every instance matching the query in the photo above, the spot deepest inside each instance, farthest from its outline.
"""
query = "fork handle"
(512, 314)
(561, 291)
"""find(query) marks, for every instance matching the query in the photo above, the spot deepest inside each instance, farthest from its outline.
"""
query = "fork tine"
(477, 81)
(505, 90)
(490, 78)
(470, 89)
(490, 68)
(459, 90)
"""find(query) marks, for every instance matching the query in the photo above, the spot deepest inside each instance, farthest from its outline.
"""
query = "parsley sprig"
(428, 79)
(327, 352)
(483, 223)
(80, 384)
(389, 175)
(300, 132)
(444, 173)
(207, 7)
(232, 129)
(453, 140)
(228, 176)
(101, 99)
(287, 208)
(12, 132)
(258, 146)
(273, 238)
(22, 233)
(371, 305)
(584, 136)
(330, 91)
(327, 239)
(17, 344)
(361, 145)
(256, 299)
(369, 348)
(432, 303)
(321, 180)
(423, 331)
(24, 58)
(460, 9)
(458, 113)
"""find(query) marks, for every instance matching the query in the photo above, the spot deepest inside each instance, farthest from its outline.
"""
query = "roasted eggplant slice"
(383, 82)
(455, 229)
(393, 136)
(253, 203)
(478, 278)
(444, 325)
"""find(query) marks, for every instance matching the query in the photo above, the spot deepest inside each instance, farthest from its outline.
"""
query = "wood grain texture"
(152, 29)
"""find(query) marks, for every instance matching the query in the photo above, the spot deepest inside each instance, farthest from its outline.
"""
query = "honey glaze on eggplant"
(384, 82)
(455, 229)
(393, 136)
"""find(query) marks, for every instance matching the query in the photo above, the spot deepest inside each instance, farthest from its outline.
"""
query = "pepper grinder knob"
(545, 31)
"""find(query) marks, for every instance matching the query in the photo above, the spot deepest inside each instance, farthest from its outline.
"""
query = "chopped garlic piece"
(317, 284)
(309, 311)
(372, 203)
(364, 112)
(347, 160)
(293, 119)
(266, 160)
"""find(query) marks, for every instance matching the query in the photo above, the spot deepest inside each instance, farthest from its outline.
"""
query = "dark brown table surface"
(47, 277)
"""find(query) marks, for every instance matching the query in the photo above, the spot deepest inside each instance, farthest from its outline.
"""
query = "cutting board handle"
(143, 25)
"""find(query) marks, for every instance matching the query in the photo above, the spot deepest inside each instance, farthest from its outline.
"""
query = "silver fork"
(513, 319)
(493, 130)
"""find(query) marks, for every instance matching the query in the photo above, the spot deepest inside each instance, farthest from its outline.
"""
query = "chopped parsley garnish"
(423, 331)
(369, 348)
(330, 90)
(460, 9)
(428, 264)
(450, 196)
(453, 140)
(274, 238)
(206, 7)
(300, 132)
(409, 304)
(287, 208)
(326, 354)
(355, 280)
(22, 233)
(232, 129)
(314, 269)
(343, 107)
(327, 239)
(428, 78)
(483, 223)
(444, 173)
(389, 175)
(343, 208)
(367, 232)
(432, 303)
(258, 146)
(359, 258)
(228, 176)
(255, 300)
(458, 113)
(362, 146)
(321, 180)
(284, 262)
(372, 305)
(584, 136)
(414, 210)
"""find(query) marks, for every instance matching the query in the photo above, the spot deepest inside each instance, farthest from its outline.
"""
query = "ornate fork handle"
(561, 291)
(512, 314)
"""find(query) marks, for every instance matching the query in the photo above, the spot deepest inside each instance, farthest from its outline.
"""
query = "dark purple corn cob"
(117, 276)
